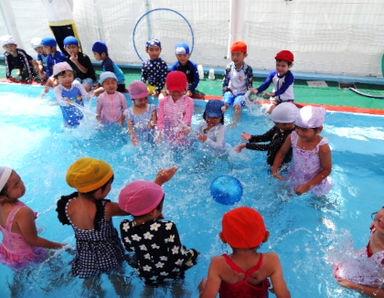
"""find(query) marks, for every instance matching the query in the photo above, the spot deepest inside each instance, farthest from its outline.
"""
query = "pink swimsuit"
(14, 250)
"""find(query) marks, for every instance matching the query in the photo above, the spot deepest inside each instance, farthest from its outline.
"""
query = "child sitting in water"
(21, 245)
(15, 58)
(284, 115)
(111, 103)
(245, 272)
(98, 247)
(141, 117)
(187, 66)
(212, 130)
(154, 70)
(175, 110)
(155, 241)
(80, 63)
(238, 79)
(365, 272)
(69, 93)
(100, 51)
(312, 160)
(282, 80)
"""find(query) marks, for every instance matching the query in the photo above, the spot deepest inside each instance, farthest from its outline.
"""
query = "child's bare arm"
(278, 283)
(326, 165)
(25, 220)
(131, 132)
(280, 157)
(165, 175)
(366, 290)
(113, 209)
(209, 288)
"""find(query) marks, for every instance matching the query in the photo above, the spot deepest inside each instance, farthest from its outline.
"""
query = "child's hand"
(240, 147)
(73, 58)
(57, 245)
(155, 94)
(189, 93)
(202, 285)
(202, 138)
(278, 176)
(151, 124)
(246, 136)
(302, 189)
(98, 91)
(165, 175)
(134, 140)
(254, 91)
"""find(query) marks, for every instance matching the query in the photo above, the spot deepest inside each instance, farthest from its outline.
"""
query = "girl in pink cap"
(175, 110)
(141, 117)
(312, 160)
(155, 242)
(21, 245)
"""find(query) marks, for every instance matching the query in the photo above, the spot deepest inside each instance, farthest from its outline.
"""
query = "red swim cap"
(243, 227)
(176, 81)
(285, 55)
(239, 46)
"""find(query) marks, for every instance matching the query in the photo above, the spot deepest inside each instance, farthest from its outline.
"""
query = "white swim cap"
(36, 42)
(5, 173)
(285, 112)
(7, 39)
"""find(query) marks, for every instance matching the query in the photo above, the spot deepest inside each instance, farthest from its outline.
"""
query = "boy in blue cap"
(100, 51)
(53, 56)
(187, 66)
(154, 70)
(80, 63)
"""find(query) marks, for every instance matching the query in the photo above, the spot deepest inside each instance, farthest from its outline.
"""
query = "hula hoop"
(157, 9)
(365, 94)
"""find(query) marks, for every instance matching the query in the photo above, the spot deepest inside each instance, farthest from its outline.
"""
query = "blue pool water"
(303, 229)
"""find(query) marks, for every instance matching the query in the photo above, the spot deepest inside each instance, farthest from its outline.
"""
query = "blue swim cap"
(153, 42)
(100, 47)
(107, 75)
(213, 108)
(70, 40)
(181, 48)
(48, 42)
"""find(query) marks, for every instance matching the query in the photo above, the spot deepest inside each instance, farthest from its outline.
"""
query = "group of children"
(155, 241)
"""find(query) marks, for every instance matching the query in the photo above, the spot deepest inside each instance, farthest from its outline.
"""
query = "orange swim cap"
(243, 227)
(239, 46)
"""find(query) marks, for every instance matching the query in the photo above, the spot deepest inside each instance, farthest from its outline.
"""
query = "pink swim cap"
(140, 197)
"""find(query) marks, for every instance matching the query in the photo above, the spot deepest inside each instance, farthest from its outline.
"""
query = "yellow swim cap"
(87, 174)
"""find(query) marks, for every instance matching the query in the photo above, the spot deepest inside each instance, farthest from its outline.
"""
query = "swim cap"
(153, 42)
(137, 89)
(286, 112)
(70, 40)
(36, 42)
(176, 81)
(181, 48)
(213, 108)
(5, 173)
(243, 227)
(48, 42)
(6, 40)
(239, 46)
(107, 75)
(140, 197)
(285, 55)
(87, 174)
(60, 67)
(100, 47)
(310, 117)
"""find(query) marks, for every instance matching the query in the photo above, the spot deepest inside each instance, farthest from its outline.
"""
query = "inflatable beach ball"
(226, 190)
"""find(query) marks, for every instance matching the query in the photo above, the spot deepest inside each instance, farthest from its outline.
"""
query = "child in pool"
(312, 160)
(111, 103)
(238, 79)
(246, 271)
(187, 66)
(100, 51)
(365, 273)
(155, 242)
(141, 117)
(80, 63)
(284, 115)
(41, 61)
(175, 110)
(69, 93)
(282, 79)
(155, 69)
(212, 130)
(98, 247)
(15, 58)
(21, 245)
